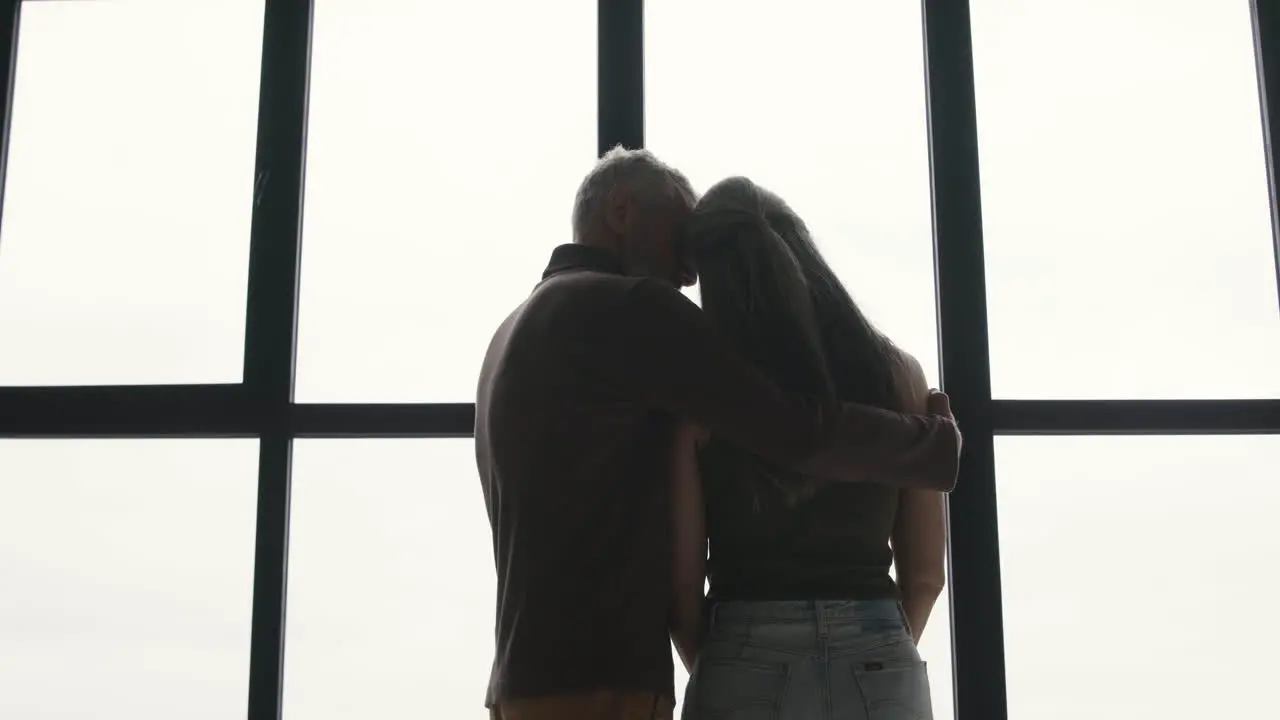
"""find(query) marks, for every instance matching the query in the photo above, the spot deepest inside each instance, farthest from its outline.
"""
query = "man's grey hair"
(639, 172)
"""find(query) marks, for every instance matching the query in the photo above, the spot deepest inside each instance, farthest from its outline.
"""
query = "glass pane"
(1136, 565)
(446, 142)
(859, 179)
(1125, 200)
(391, 581)
(790, 110)
(125, 241)
(127, 576)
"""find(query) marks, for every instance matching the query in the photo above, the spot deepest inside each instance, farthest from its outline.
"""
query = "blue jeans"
(808, 660)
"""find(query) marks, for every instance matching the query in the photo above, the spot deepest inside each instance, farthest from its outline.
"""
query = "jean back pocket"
(734, 689)
(894, 688)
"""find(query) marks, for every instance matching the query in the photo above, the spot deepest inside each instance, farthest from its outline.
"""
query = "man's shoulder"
(619, 291)
(592, 308)
(580, 282)
(588, 296)
(575, 303)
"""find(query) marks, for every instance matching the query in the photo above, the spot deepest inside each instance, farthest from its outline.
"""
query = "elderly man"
(578, 397)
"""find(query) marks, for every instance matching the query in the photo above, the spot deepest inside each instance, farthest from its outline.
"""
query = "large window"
(128, 192)
(391, 581)
(127, 576)
(429, 208)
(252, 251)
(806, 84)
(1124, 188)
(1137, 565)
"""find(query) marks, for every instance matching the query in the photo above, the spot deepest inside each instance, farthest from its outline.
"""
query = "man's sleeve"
(664, 352)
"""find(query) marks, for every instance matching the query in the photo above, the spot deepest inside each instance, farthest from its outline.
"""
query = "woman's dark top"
(832, 545)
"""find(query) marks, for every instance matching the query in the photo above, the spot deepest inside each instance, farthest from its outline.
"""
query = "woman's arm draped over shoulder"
(689, 547)
(660, 349)
(920, 530)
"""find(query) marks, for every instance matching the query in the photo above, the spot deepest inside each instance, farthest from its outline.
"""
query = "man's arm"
(663, 351)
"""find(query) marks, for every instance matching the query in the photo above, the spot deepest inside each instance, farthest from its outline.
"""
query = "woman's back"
(805, 621)
(767, 288)
(767, 544)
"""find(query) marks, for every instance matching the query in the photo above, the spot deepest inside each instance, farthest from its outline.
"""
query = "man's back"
(573, 476)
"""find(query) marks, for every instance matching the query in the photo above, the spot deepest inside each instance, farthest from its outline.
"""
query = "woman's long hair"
(766, 287)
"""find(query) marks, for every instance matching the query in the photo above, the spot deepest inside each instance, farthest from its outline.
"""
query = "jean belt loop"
(820, 612)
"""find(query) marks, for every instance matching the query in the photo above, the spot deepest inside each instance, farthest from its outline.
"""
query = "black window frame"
(262, 405)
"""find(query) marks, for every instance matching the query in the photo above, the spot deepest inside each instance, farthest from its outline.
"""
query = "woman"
(803, 618)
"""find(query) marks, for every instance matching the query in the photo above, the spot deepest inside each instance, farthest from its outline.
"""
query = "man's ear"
(617, 213)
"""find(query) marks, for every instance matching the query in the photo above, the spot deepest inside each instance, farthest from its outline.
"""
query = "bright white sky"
(1128, 256)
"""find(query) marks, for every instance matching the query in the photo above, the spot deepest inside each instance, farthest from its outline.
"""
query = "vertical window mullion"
(271, 326)
(10, 14)
(1266, 45)
(976, 610)
(620, 74)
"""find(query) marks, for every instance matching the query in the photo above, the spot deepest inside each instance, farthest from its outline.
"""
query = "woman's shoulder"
(904, 363)
(910, 378)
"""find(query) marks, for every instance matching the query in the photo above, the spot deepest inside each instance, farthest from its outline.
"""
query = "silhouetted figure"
(576, 413)
(805, 618)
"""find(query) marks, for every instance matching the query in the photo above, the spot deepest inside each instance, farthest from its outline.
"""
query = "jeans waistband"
(811, 610)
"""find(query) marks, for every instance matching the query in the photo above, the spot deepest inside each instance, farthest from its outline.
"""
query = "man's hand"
(939, 404)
